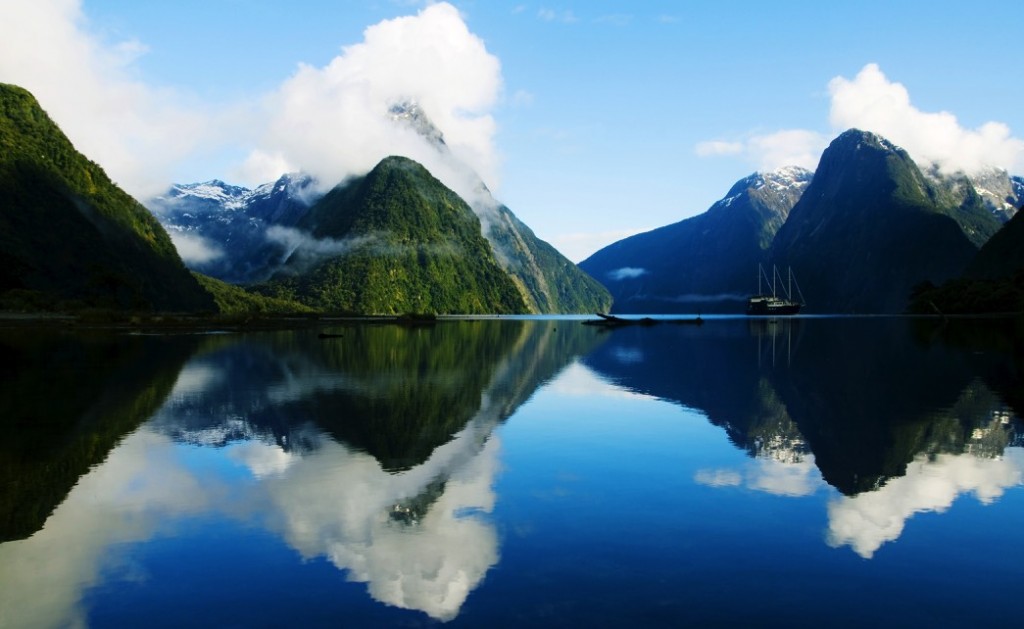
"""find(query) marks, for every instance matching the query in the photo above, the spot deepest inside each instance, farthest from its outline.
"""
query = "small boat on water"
(775, 304)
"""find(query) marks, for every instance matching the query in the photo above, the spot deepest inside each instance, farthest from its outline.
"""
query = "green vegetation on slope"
(234, 300)
(69, 237)
(548, 281)
(396, 241)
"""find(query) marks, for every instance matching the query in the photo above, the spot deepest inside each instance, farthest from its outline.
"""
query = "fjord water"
(798, 473)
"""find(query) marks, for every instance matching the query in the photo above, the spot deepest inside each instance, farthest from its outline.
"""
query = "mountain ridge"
(870, 226)
(859, 233)
(395, 241)
(679, 268)
(69, 237)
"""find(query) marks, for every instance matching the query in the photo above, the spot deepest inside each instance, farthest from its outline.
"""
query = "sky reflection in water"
(558, 474)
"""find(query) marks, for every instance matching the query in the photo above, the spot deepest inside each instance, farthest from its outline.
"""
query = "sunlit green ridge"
(397, 240)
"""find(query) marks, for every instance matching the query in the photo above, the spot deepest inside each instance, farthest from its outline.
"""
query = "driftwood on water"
(611, 321)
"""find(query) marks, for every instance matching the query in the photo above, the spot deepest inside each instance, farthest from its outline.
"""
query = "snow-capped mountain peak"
(410, 113)
(228, 196)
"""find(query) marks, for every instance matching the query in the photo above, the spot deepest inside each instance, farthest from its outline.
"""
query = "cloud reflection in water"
(868, 520)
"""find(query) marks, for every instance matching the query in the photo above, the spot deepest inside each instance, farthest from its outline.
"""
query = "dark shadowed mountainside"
(706, 263)
(871, 226)
(69, 237)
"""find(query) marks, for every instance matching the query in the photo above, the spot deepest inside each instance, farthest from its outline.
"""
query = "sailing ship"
(773, 304)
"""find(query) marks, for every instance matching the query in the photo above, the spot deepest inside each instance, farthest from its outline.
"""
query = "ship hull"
(772, 306)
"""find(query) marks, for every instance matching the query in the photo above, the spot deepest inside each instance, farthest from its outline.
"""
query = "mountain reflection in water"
(901, 416)
(373, 450)
(377, 454)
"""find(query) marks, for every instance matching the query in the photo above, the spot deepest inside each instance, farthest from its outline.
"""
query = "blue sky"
(589, 119)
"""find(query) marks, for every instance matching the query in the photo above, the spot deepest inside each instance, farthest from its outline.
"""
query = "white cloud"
(330, 501)
(335, 503)
(868, 520)
(615, 19)
(789, 478)
(522, 98)
(789, 147)
(626, 273)
(330, 121)
(333, 121)
(771, 151)
(194, 379)
(137, 132)
(870, 101)
(551, 15)
(194, 249)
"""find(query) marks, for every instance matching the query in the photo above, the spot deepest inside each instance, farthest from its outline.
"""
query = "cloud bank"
(333, 121)
(768, 152)
(137, 132)
(330, 121)
(871, 102)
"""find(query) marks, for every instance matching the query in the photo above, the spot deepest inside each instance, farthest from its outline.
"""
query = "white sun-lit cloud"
(194, 249)
(136, 131)
(770, 151)
(332, 121)
(578, 381)
(626, 273)
(871, 102)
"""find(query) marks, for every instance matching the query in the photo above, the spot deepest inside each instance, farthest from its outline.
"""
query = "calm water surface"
(797, 473)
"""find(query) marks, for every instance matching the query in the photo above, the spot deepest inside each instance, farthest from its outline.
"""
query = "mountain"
(1001, 193)
(1003, 255)
(69, 237)
(225, 231)
(705, 263)
(871, 225)
(548, 281)
(779, 392)
(244, 236)
(393, 241)
(992, 283)
(109, 384)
